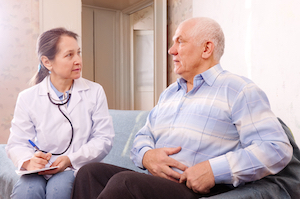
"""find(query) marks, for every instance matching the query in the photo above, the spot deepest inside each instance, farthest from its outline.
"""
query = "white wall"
(262, 44)
(19, 30)
(61, 13)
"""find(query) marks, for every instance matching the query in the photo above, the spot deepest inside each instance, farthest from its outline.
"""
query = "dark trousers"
(104, 181)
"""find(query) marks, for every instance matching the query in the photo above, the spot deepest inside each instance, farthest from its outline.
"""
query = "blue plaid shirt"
(225, 119)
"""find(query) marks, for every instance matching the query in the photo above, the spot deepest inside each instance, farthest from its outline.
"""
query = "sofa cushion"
(126, 124)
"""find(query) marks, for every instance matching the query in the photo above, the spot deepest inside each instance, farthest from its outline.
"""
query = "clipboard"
(23, 172)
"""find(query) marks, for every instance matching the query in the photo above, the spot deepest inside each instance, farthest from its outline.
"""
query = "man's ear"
(208, 49)
(46, 62)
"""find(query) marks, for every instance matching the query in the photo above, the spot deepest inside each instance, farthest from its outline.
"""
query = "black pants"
(104, 181)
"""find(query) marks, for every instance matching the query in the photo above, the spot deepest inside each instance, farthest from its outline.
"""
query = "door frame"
(124, 99)
(160, 51)
(148, 103)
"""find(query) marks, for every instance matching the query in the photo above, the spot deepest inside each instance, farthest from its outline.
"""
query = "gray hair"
(206, 29)
(47, 45)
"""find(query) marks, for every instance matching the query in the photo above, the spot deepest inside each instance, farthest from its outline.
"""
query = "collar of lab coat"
(79, 85)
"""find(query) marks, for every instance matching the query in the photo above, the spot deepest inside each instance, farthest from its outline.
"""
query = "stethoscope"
(63, 102)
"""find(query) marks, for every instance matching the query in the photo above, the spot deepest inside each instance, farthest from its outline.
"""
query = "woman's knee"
(29, 186)
(60, 185)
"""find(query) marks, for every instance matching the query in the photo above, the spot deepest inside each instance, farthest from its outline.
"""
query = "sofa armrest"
(283, 185)
(8, 176)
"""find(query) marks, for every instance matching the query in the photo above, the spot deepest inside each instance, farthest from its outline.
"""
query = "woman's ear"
(46, 62)
(208, 49)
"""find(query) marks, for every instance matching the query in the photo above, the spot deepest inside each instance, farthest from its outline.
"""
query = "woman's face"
(67, 63)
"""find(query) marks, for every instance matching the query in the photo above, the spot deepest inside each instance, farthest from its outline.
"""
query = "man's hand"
(158, 163)
(199, 178)
(62, 162)
(38, 161)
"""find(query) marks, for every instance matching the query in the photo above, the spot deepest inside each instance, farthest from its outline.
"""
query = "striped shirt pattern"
(225, 119)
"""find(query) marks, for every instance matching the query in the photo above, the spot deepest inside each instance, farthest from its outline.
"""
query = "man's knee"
(122, 185)
(89, 171)
(126, 178)
(88, 168)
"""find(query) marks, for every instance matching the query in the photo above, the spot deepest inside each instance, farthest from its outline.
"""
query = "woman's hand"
(38, 161)
(62, 162)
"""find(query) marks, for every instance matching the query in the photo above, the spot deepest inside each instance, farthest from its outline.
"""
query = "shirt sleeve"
(265, 147)
(143, 141)
(22, 129)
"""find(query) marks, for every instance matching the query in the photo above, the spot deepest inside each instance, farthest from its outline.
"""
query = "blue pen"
(36, 148)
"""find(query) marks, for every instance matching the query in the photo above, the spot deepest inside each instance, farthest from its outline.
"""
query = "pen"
(36, 148)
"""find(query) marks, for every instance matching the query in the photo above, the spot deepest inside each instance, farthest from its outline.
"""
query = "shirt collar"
(209, 76)
(59, 94)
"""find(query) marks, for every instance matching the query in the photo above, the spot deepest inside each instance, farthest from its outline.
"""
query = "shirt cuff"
(221, 170)
(141, 155)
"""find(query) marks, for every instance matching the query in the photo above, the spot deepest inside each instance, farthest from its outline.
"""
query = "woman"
(68, 136)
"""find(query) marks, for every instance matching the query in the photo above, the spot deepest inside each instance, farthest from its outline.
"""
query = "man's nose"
(172, 50)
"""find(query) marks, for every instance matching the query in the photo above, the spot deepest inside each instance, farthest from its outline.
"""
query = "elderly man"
(210, 131)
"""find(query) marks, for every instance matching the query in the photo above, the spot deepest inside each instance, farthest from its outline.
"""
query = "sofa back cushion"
(126, 124)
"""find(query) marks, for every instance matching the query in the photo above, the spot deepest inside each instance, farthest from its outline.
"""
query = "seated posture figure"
(211, 130)
(65, 115)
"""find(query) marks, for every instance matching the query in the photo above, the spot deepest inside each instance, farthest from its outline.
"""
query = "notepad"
(23, 172)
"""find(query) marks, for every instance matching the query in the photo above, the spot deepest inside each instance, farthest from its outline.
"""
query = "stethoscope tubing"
(59, 105)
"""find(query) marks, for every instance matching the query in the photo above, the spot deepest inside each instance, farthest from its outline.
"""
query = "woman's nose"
(78, 60)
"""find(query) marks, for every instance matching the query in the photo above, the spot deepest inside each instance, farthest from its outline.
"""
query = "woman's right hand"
(38, 161)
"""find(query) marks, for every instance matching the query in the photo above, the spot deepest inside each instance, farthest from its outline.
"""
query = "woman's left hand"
(62, 162)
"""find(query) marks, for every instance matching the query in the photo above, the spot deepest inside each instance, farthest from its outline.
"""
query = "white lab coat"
(36, 118)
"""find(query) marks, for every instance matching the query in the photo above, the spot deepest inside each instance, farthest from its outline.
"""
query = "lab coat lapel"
(78, 87)
(44, 87)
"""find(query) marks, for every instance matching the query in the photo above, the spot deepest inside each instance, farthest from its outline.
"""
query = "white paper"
(23, 172)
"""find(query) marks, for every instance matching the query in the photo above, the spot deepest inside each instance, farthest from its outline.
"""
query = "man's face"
(186, 54)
